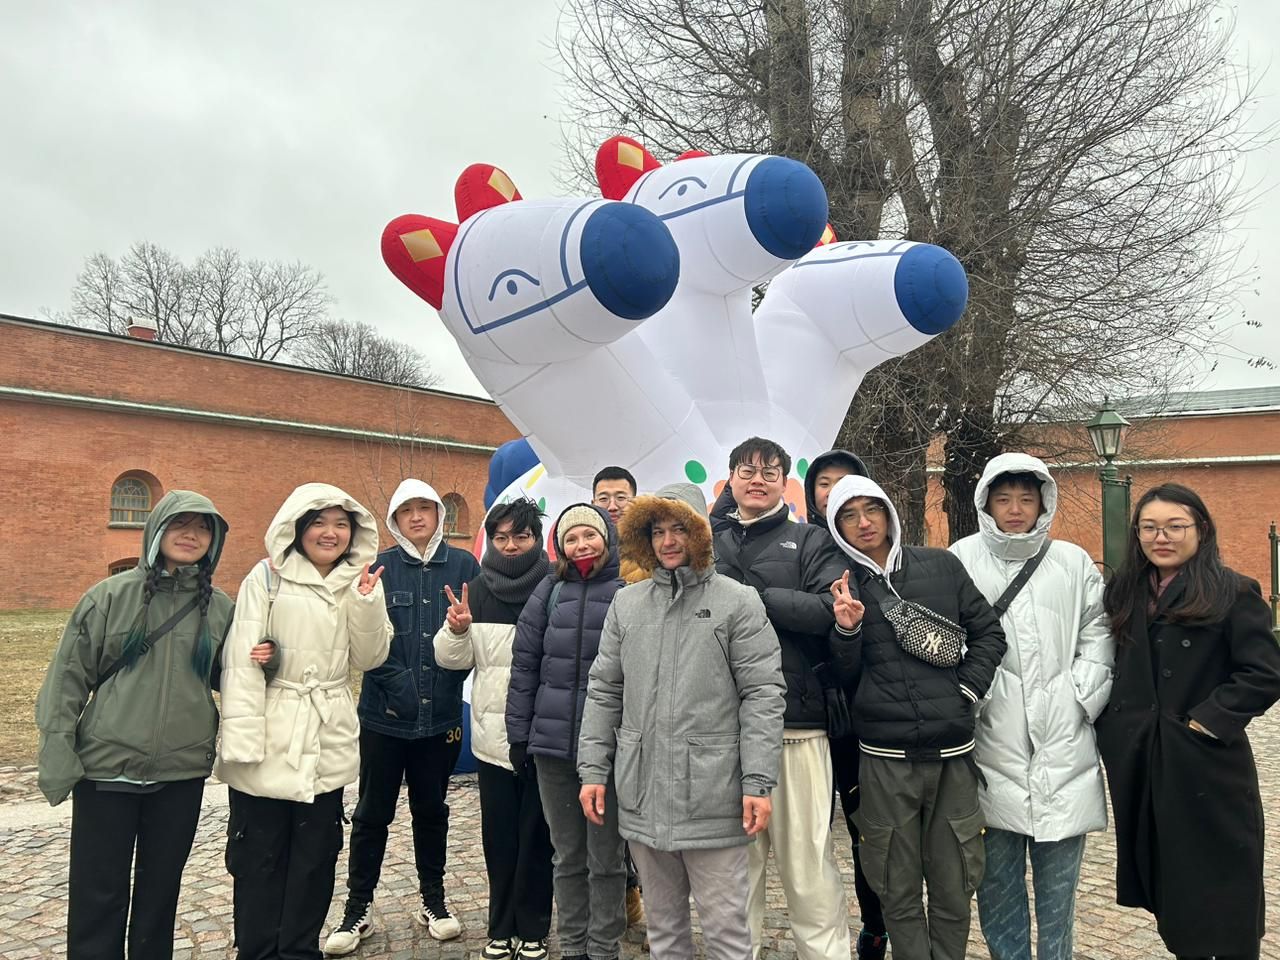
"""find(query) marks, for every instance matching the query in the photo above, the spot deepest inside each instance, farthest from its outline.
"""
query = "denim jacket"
(410, 696)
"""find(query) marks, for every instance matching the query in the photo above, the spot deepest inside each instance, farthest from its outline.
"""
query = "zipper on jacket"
(163, 714)
(574, 720)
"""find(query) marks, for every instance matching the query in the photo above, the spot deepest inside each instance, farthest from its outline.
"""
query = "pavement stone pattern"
(33, 883)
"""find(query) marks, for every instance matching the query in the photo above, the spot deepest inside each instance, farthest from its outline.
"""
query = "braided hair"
(202, 654)
(133, 643)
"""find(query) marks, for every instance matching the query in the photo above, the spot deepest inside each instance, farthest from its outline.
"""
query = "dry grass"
(27, 641)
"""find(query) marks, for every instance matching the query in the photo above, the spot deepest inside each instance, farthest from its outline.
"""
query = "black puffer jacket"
(904, 707)
(793, 566)
(551, 661)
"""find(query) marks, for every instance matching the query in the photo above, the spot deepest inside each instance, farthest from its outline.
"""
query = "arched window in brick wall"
(120, 566)
(132, 497)
(456, 520)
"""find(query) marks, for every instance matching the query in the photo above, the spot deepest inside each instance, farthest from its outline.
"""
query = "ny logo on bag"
(932, 643)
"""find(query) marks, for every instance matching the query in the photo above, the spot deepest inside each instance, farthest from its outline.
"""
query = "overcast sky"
(296, 131)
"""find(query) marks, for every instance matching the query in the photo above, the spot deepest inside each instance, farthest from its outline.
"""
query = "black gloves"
(838, 722)
(521, 762)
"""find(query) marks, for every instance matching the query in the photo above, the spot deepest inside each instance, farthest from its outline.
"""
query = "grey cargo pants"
(920, 823)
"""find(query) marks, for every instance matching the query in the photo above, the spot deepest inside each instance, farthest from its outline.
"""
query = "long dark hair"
(1211, 586)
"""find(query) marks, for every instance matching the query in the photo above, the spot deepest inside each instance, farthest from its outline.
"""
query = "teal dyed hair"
(203, 651)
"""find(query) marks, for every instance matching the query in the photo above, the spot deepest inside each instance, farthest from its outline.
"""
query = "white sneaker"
(499, 950)
(532, 950)
(435, 916)
(355, 926)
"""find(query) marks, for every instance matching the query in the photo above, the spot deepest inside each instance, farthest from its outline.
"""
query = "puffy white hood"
(318, 496)
(409, 490)
(854, 486)
(1015, 546)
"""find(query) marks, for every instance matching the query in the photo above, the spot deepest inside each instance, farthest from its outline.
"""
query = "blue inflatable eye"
(684, 188)
(512, 287)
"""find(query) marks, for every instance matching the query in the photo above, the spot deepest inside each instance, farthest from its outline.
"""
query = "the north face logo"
(788, 544)
(703, 614)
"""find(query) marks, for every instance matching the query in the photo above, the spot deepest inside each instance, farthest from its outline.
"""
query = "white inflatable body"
(621, 333)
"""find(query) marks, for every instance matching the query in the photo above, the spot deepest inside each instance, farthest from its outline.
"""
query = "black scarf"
(512, 579)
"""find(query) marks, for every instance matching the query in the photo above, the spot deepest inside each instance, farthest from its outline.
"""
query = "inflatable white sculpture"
(620, 331)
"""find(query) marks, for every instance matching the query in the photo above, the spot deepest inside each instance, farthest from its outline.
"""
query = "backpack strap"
(273, 589)
(1021, 579)
(553, 598)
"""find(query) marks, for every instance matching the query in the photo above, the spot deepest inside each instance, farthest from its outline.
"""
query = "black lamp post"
(1107, 432)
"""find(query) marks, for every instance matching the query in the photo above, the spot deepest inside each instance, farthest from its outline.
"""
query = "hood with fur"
(832, 458)
(416, 489)
(318, 496)
(678, 501)
(844, 491)
(1015, 546)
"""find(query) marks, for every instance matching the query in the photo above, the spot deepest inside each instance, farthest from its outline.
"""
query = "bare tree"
(221, 302)
(1078, 157)
(339, 346)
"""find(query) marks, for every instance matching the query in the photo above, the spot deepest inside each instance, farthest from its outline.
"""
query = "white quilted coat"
(298, 736)
(1035, 739)
(487, 648)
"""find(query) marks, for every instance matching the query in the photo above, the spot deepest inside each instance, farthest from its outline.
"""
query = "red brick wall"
(60, 461)
(1242, 498)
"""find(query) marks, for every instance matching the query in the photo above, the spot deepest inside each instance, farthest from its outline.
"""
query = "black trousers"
(114, 833)
(844, 764)
(517, 854)
(282, 855)
(386, 762)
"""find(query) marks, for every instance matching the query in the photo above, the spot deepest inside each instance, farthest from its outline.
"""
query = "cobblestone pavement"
(33, 886)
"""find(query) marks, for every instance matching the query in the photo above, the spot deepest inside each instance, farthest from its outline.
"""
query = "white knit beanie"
(580, 515)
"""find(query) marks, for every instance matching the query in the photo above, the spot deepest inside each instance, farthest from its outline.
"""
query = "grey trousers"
(920, 823)
(590, 880)
(718, 881)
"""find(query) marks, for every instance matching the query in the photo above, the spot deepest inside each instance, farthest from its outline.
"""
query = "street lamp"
(1107, 432)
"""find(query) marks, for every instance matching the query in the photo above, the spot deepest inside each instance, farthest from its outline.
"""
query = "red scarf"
(584, 565)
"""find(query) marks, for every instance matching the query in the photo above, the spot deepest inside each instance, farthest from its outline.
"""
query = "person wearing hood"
(557, 637)
(826, 470)
(792, 566)
(919, 821)
(684, 712)
(289, 737)
(410, 720)
(1035, 739)
(479, 632)
(127, 729)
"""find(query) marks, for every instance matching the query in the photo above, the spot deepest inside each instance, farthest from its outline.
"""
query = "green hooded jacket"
(155, 721)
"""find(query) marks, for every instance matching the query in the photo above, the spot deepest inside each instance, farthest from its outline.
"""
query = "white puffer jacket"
(487, 648)
(1035, 739)
(298, 736)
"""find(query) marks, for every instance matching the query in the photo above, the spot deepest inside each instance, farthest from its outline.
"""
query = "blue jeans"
(1002, 895)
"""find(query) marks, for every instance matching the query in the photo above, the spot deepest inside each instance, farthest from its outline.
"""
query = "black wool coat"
(1188, 818)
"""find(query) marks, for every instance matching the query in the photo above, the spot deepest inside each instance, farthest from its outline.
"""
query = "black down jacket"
(792, 565)
(903, 706)
(551, 659)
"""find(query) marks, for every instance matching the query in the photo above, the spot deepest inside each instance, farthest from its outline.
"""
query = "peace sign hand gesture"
(458, 616)
(368, 580)
(848, 609)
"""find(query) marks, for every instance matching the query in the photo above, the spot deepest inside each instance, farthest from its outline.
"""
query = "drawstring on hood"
(1015, 546)
(171, 505)
(844, 491)
(412, 489)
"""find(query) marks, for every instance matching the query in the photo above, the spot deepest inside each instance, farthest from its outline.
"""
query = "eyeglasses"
(1174, 532)
(604, 499)
(747, 471)
(502, 539)
(872, 511)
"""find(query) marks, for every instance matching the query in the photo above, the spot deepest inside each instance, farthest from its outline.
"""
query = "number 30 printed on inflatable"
(619, 330)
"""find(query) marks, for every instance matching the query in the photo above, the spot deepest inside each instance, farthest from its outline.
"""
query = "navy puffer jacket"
(551, 661)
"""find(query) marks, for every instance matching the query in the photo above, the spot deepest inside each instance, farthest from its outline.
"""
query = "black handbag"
(926, 635)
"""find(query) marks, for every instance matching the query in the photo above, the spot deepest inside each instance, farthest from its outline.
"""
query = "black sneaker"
(356, 925)
(435, 916)
(503, 949)
(871, 946)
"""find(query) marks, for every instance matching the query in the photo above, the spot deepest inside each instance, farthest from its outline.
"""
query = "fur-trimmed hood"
(670, 503)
